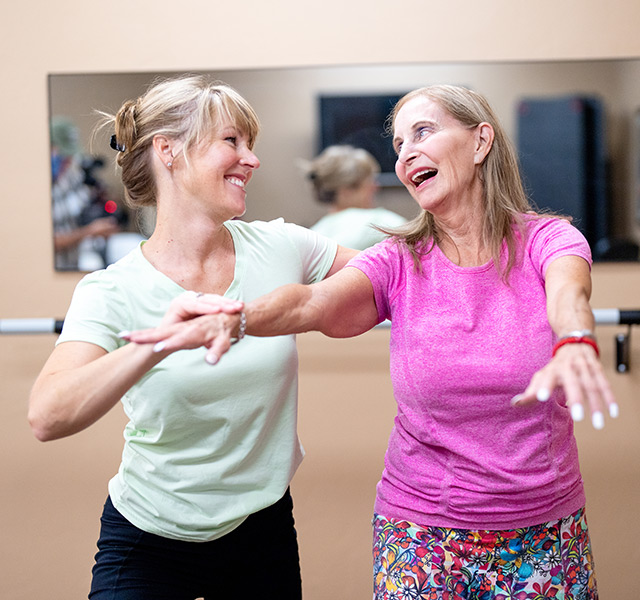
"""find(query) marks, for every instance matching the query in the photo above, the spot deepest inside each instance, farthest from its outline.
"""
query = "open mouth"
(422, 176)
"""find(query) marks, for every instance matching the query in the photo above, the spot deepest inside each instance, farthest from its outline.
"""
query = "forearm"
(574, 366)
(569, 310)
(67, 398)
(340, 306)
(568, 289)
(288, 309)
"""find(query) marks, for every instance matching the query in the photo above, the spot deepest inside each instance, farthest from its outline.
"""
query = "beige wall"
(51, 494)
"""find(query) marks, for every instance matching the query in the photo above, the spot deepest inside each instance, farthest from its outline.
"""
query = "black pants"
(258, 559)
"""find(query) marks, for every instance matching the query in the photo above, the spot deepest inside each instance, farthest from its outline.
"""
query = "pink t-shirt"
(462, 345)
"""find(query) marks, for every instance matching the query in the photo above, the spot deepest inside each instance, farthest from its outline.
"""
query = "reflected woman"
(344, 179)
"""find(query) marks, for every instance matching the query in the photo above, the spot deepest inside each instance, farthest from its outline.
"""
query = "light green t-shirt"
(352, 227)
(205, 446)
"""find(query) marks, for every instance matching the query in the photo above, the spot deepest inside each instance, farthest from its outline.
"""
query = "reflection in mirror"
(602, 197)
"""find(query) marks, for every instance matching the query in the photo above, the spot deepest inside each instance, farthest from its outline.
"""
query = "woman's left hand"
(193, 320)
(577, 370)
(193, 304)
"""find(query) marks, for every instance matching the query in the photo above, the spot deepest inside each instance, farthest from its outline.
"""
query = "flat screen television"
(359, 120)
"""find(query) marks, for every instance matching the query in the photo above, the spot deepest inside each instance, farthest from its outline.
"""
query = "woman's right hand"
(81, 381)
(184, 328)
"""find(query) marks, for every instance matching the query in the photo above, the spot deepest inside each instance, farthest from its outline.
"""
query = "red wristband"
(576, 340)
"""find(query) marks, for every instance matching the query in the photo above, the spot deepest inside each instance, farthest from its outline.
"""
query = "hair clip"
(114, 144)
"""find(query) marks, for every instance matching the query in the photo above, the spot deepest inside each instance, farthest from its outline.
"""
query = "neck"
(202, 260)
(464, 252)
(352, 198)
(461, 238)
(187, 241)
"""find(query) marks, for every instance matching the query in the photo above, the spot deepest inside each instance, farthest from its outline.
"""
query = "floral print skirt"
(551, 560)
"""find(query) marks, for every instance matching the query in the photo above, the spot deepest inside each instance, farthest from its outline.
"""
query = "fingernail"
(597, 419)
(124, 333)
(543, 395)
(212, 359)
(614, 411)
(159, 347)
(577, 412)
(516, 399)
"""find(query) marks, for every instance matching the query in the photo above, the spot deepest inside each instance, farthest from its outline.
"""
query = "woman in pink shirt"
(492, 359)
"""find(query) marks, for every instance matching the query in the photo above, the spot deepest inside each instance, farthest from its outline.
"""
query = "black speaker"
(563, 157)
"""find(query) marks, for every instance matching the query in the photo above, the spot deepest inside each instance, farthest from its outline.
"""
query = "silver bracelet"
(578, 333)
(242, 329)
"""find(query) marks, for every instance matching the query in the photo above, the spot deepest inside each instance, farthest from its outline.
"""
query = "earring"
(169, 164)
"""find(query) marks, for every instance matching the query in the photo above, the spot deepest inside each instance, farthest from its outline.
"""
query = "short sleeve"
(97, 313)
(316, 251)
(382, 264)
(553, 238)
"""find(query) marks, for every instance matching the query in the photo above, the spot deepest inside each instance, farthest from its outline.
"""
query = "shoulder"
(254, 227)
(277, 228)
(545, 228)
(282, 239)
(259, 229)
(128, 266)
(256, 236)
(549, 238)
(119, 282)
(387, 253)
(534, 222)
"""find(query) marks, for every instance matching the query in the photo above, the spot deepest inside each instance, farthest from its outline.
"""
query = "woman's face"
(220, 168)
(438, 157)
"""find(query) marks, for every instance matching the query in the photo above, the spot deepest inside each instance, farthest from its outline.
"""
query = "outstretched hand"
(193, 320)
(576, 369)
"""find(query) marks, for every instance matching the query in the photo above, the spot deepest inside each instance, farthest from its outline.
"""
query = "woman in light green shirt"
(208, 452)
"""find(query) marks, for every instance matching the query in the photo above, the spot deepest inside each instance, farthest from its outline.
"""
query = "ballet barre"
(20, 326)
(616, 316)
(603, 316)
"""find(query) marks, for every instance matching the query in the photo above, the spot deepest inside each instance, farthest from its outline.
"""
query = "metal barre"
(615, 316)
(20, 326)
(603, 316)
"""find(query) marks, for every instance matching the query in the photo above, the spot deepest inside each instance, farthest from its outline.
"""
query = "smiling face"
(439, 158)
(219, 169)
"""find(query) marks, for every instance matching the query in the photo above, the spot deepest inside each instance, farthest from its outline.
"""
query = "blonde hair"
(187, 108)
(338, 167)
(505, 200)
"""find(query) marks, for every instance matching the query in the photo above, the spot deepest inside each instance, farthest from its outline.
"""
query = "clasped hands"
(193, 320)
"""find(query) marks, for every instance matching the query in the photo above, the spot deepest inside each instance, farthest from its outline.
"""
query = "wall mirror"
(604, 92)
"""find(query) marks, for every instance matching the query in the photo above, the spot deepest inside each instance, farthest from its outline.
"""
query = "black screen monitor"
(360, 121)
